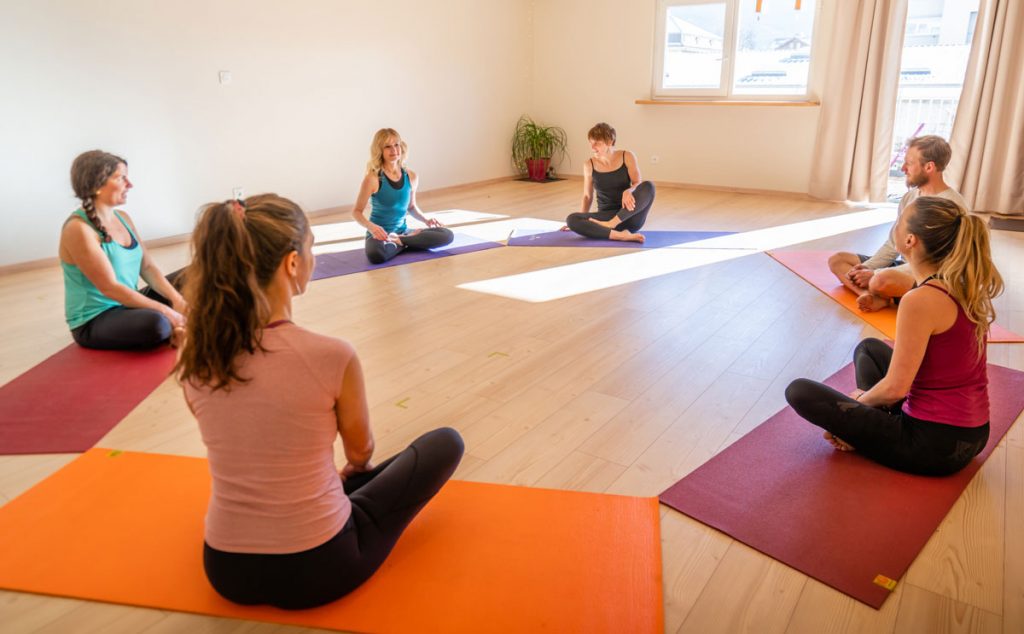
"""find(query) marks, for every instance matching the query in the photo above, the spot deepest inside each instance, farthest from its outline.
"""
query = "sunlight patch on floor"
(584, 277)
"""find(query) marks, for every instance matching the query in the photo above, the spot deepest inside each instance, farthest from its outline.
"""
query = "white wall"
(593, 59)
(312, 81)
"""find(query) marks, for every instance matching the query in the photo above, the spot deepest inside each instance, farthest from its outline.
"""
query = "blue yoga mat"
(354, 261)
(654, 239)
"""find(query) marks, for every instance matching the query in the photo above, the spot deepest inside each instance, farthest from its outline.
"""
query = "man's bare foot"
(870, 303)
(626, 236)
(838, 443)
(611, 224)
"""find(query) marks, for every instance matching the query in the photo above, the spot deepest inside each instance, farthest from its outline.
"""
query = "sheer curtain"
(858, 101)
(988, 133)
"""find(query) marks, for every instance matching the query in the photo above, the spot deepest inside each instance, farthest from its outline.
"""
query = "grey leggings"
(631, 221)
(123, 328)
(380, 251)
(886, 434)
(384, 501)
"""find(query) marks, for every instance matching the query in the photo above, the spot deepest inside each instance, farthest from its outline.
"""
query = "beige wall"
(312, 81)
(593, 59)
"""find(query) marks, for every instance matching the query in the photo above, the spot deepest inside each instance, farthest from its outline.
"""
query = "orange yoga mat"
(127, 528)
(812, 266)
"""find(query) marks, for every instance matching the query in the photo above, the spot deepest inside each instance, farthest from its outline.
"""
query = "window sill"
(726, 102)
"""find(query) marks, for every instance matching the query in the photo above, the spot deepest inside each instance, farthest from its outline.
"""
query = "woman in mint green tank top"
(102, 259)
(391, 190)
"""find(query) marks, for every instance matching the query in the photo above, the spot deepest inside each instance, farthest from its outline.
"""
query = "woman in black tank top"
(623, 200)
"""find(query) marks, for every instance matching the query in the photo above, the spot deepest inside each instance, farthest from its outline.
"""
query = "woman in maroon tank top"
(921, 406)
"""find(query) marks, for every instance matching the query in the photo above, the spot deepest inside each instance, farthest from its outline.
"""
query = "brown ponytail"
(89, 171)
(236, 248)
(958, 244)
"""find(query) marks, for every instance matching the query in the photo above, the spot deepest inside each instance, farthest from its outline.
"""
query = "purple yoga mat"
(354, 261)
(835, 516)
(654, 239)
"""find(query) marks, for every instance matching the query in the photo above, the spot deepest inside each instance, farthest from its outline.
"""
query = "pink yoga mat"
(71, 400)
(838, 517)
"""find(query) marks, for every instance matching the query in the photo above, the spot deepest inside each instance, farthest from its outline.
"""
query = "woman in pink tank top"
(921, 406)
(285, 526)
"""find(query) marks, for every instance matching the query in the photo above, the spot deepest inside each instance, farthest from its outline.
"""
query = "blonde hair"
(380, 139)
(958, 244)
(237, 247)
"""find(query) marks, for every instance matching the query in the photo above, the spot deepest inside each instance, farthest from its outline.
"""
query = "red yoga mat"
(838, 517)
(72, 399)
(127, 528)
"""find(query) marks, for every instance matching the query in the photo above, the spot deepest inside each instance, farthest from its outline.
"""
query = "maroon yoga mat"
(838, 517)
(71, 400)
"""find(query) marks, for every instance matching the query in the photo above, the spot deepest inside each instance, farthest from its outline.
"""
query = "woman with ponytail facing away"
(102, 259)
(922, 406)
(285, 526)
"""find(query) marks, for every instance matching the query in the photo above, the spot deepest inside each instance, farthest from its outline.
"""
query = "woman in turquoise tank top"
(391, 190)
(102, 259)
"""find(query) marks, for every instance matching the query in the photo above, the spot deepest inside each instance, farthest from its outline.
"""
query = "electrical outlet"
(237, 193)
(224, 77)
(655, 158)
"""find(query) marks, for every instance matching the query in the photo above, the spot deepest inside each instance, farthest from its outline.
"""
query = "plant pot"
(537, 169)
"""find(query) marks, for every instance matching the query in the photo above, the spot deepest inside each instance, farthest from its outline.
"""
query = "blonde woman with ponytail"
(922, 406)
(284, 526)
(102, 259)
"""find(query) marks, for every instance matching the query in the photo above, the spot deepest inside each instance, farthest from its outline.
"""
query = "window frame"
(725, 90)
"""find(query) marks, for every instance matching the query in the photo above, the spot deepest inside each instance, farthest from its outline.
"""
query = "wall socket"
(224, 77)
(237, 193)
(655, 158)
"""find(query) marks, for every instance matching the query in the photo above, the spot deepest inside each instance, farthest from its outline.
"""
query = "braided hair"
(89, 172)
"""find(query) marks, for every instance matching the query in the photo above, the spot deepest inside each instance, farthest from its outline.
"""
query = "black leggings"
(886, 434)
(631, 221)
(123, 328)
(384, 501)
(380, 251)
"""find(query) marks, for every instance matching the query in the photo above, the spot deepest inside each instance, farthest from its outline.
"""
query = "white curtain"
(988, 133)
(858, 101)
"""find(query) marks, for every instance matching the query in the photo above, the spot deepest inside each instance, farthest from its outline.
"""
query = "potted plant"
(535, 147)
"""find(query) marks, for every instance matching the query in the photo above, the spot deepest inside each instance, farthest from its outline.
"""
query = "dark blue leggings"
(631, 221)
(380, 251)
(123, 328)
(885, 434)
(384, 501)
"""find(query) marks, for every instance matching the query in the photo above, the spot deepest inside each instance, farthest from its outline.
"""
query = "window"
(936, 47)
(736, 49)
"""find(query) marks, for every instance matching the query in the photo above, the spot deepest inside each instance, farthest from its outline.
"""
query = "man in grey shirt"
(882, 278)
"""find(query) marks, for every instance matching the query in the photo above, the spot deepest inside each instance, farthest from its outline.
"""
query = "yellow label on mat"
(885, 582)
(115, 453)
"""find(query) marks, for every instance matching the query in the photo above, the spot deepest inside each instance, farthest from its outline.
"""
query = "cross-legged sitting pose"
(102, 258)
(623, 200)
(923, 405)
(881, 279)
(391, 190)
(284, 526)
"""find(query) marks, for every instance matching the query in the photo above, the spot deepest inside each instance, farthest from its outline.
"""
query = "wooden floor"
(622, 390)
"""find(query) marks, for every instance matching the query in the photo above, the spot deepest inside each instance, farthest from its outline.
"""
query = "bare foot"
(611, 224)
(564, 228)
(838, 443)
(397, 239)
(177, 336)
(870, 303)
(626, 236)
